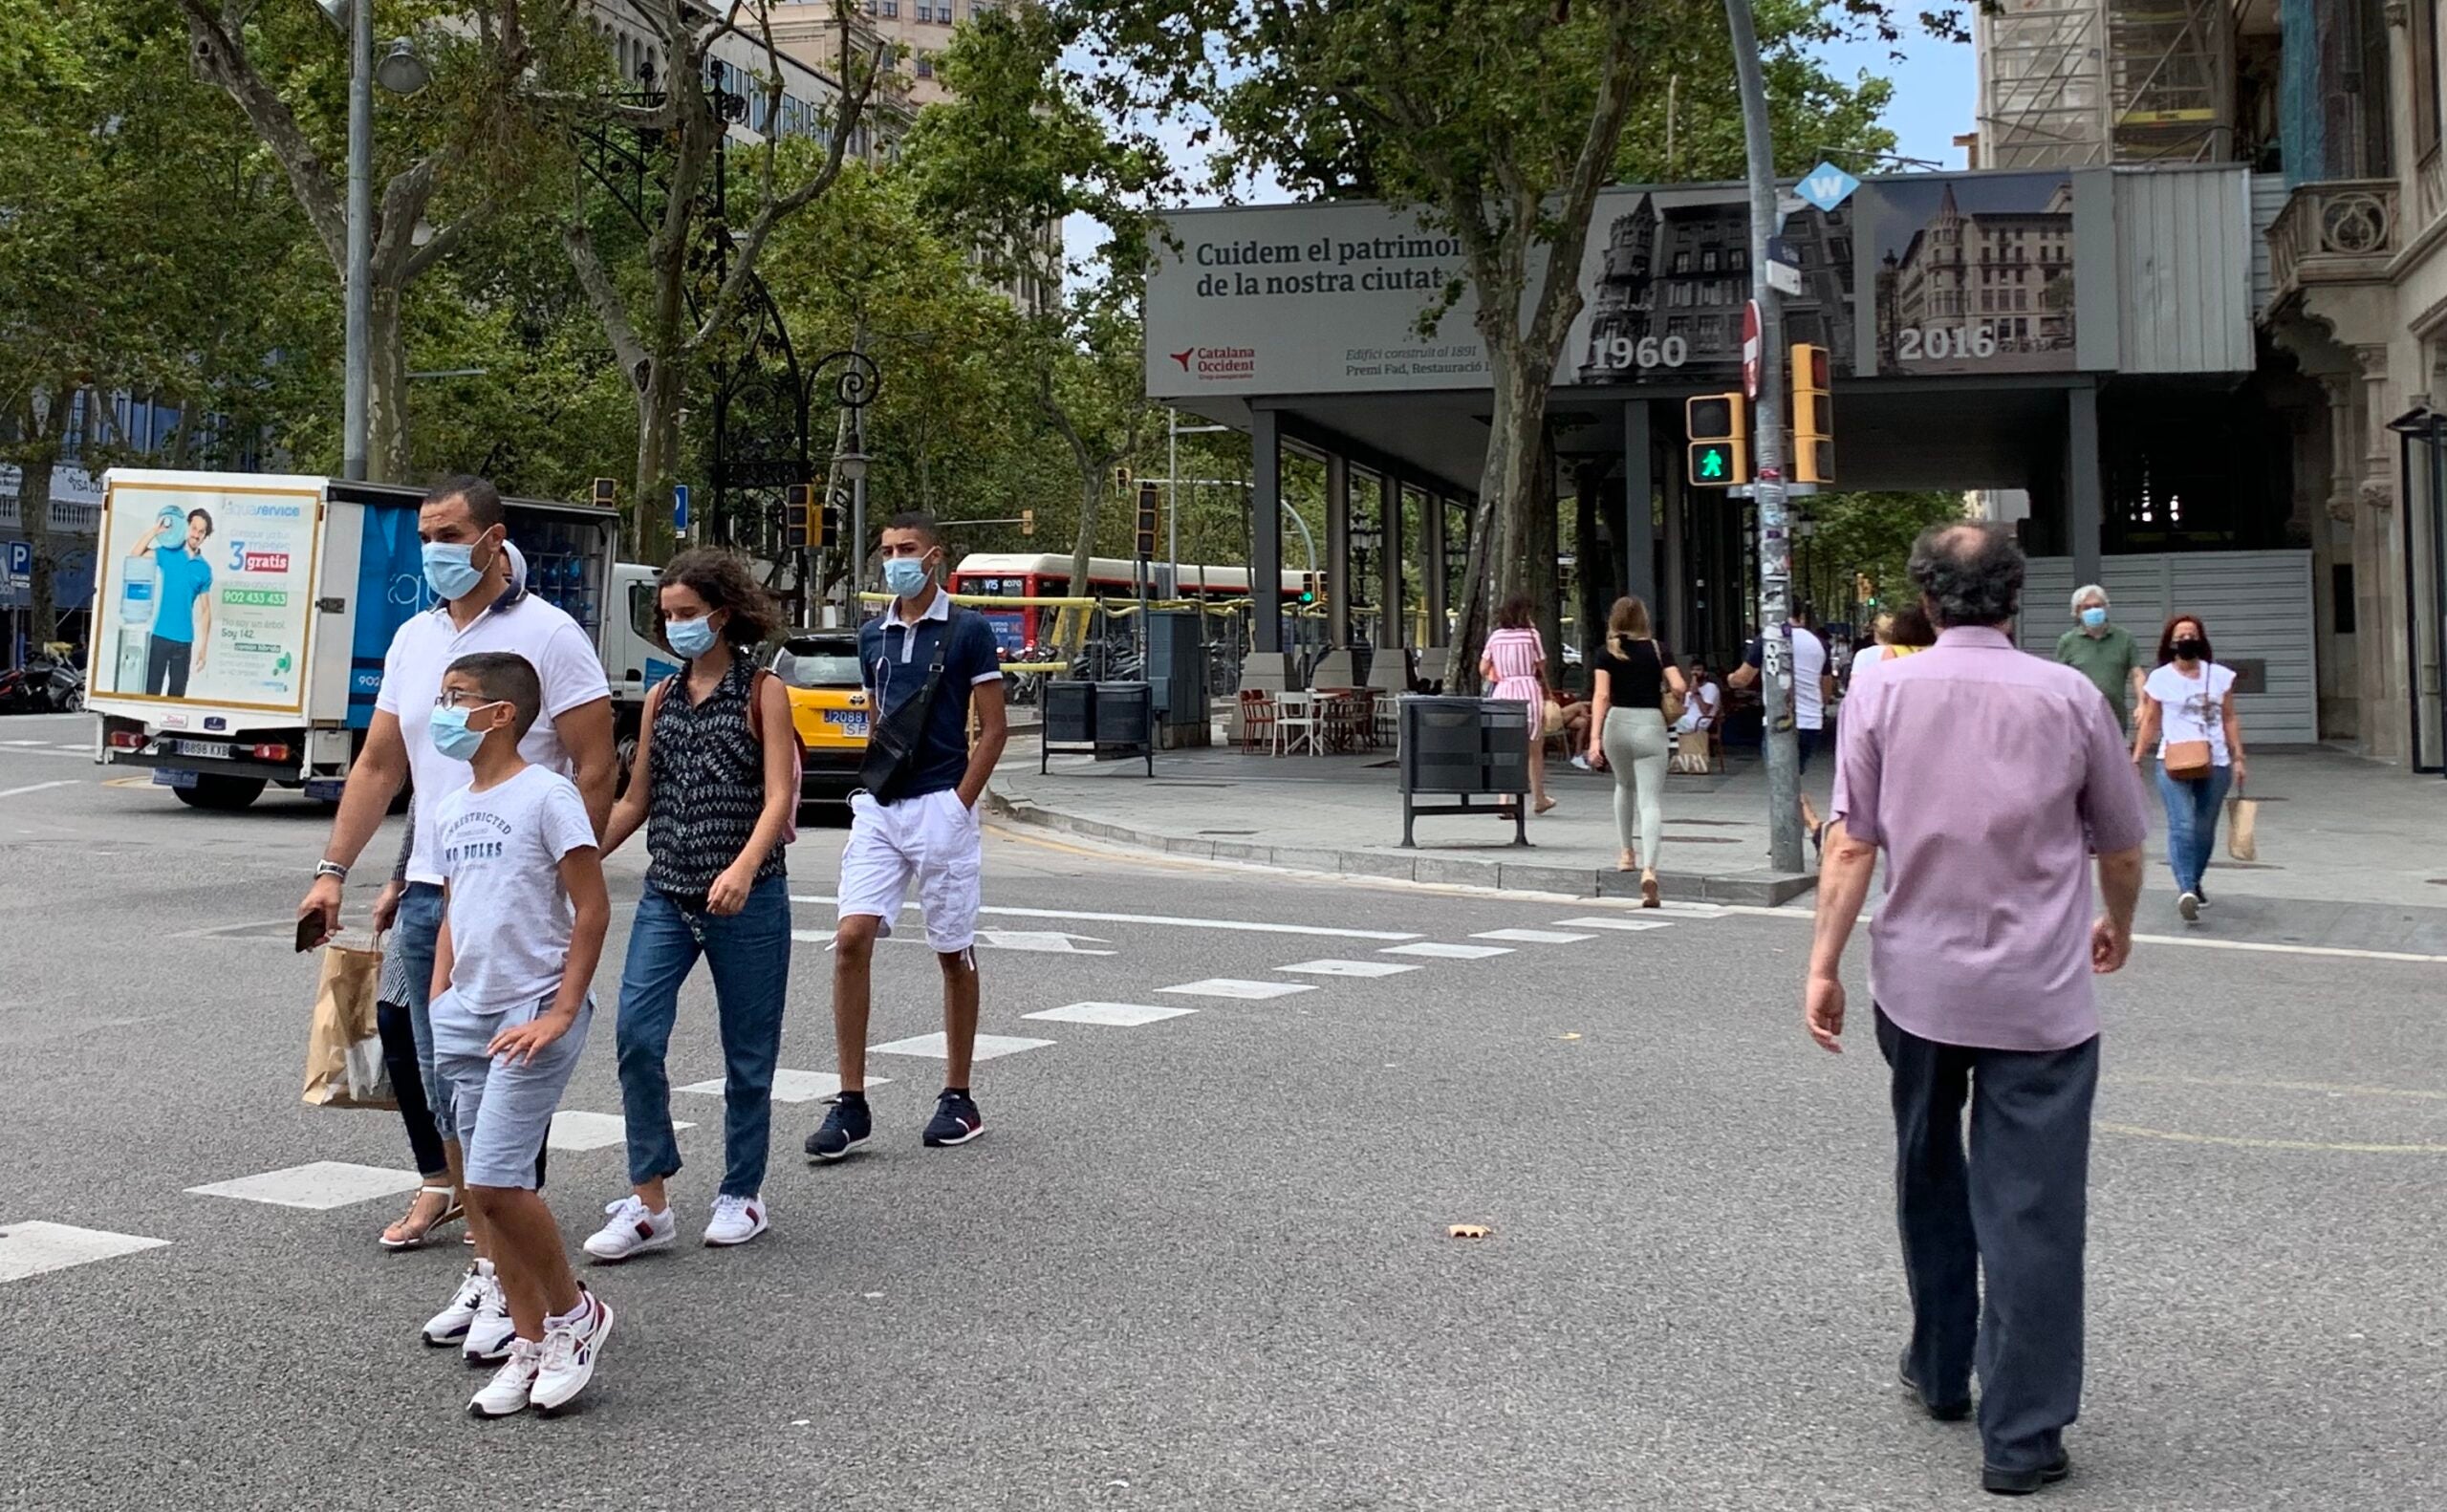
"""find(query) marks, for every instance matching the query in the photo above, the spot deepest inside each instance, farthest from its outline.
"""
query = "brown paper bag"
(1691, 752)
(2242, 825)
(344, 1066)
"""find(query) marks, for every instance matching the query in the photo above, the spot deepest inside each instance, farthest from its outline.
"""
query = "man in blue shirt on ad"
(926, 665)
(183, 599)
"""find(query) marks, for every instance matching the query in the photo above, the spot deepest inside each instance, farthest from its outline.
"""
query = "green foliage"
(1690, 131)
(1871, 533)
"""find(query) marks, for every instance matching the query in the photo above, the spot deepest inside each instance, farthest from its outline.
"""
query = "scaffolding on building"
(2073, 83)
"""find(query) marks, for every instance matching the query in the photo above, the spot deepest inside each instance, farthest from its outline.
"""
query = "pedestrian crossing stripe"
(1239, 988)
(575, 1130)
(1533, 937)
(1438, 950)
(788, 1086)
(316, 1186)
(1116, 1015)
(33, 1247)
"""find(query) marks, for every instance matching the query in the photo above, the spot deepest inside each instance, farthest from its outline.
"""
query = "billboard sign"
(1968, 273)
(211, 593)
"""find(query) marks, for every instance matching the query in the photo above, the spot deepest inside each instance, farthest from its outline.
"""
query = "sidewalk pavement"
(2339, 837)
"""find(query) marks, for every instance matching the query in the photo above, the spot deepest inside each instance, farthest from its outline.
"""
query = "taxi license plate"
(852, 721)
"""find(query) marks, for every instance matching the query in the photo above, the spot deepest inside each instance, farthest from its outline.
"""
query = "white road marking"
(17, 792)
(1044, 941)
(2200, 943)
(1236, 987)
(31, 1248)
(317, 1186)
(1436, 950)
(1332, 967)
(1532, 937)
(1169, 921)
(1119, 1015)
(932, 1046)
(576, 1131)
(1626, 926)
(788, 1086)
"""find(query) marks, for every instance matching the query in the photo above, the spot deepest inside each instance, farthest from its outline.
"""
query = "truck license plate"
(852, 721)
(206, 750)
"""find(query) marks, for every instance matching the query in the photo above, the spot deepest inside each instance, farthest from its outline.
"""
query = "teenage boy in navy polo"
(923, 829)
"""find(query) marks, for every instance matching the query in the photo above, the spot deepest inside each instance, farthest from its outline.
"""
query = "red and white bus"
(1012, 574)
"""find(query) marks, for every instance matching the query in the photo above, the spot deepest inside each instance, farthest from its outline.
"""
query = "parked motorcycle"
(46, 684)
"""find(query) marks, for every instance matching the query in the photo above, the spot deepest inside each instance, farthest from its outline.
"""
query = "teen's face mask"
(691, 638)
(905, 575)
(451, 735)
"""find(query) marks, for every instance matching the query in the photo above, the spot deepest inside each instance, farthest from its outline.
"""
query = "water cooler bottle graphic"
(138, 599)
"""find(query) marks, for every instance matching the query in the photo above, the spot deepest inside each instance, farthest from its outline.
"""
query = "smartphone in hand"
(310, 932)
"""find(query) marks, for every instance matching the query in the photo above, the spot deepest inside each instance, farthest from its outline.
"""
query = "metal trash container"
(1176, 667)
(1468, 748)
(1099, 719)
(1069, 711)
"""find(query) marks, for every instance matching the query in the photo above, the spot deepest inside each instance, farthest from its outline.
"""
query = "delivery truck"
(241, 619)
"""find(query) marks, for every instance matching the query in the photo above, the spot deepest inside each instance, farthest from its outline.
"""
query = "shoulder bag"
(1669, 702)
(892, 749)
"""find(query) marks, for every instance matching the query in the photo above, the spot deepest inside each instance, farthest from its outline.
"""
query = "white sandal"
(414, 1239)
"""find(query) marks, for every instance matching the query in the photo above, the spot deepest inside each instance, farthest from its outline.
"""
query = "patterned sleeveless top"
(708, 785)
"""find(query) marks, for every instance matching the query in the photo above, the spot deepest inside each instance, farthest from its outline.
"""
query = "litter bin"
(1099, 719)
(1468, 748)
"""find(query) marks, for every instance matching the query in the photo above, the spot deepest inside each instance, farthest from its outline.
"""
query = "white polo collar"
(940, 608)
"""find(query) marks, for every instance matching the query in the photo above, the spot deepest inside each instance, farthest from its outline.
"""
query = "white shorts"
(933, 839)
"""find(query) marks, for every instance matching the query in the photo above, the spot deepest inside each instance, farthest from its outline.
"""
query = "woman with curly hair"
(714, 786)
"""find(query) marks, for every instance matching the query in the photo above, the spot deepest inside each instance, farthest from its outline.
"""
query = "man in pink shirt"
(1987, 776)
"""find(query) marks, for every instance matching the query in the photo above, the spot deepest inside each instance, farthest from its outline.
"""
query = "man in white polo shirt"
(468, 564)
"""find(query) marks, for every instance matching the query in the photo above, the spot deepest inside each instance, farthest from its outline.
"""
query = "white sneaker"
(450, 1324)
(512, 1385)
(570, 1353)
(491, 1330)
(736, 1220)
(2189, 906)
(631, 1230)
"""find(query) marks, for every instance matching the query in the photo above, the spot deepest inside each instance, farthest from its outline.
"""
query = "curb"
(1757, 890)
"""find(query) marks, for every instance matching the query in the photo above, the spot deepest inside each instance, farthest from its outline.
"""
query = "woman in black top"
(1627, 732)
(715, 786)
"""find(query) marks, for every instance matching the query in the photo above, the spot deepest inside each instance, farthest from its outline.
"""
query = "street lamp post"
(403, 73)
(854, 386)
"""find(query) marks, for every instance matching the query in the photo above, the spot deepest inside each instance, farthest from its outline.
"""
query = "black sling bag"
(892, 750)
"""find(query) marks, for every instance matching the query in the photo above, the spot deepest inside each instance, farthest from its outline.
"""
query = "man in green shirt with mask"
(2106, 654)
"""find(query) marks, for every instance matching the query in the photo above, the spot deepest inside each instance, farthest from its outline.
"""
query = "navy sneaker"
(844, 1128)
(956, 1120)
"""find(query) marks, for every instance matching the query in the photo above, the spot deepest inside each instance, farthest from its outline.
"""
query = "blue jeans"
(2191, 821)
(749, 952)
(414, 934)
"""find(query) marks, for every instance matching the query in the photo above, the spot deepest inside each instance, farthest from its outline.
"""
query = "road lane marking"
(574, 1131)
(2240, 1142)
(1169, 921)
(1044, 941)
(989, 1045)
(1532, 937)
(40, 786)
(317, 1186)
(1332, 968)
(1119, 1015)
(1237, 987)
(2338, 951)
(1436, 950)
(1626, 926)
(788, 1086)
(33, 1248)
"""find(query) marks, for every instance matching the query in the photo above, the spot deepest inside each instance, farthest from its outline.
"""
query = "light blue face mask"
(691, 638)
(450, 569)
(2093, 619)
(905, 575)
(451, 735)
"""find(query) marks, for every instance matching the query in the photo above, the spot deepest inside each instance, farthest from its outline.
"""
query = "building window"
(1710, 261)
(2341, 597)
(1682, 262)
(925, 64)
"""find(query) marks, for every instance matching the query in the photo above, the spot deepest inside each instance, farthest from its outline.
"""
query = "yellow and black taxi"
(829, 705)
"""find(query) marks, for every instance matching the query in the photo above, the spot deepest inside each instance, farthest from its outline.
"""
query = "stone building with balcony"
(2355, 305)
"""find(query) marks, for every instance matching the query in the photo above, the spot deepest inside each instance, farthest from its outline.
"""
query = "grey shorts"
(499, 1112)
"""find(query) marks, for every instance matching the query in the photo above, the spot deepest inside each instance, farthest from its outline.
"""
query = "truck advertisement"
(206, 594)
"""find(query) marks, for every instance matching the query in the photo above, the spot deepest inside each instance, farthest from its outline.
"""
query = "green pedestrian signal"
(1718, 428)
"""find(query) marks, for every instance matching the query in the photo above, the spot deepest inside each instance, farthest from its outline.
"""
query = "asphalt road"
(1200, 1263)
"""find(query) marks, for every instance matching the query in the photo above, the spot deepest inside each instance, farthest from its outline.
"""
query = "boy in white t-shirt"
(519, 944)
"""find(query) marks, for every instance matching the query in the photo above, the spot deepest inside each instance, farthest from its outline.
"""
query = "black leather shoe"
(1943, 1412)
(2022, 1482)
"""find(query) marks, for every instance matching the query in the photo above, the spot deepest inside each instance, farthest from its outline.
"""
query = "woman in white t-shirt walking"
(2188, 716)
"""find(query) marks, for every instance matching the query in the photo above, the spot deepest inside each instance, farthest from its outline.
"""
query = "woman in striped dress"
(1514, 666)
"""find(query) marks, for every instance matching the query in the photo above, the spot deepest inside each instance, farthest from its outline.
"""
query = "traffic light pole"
(1768, 460)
